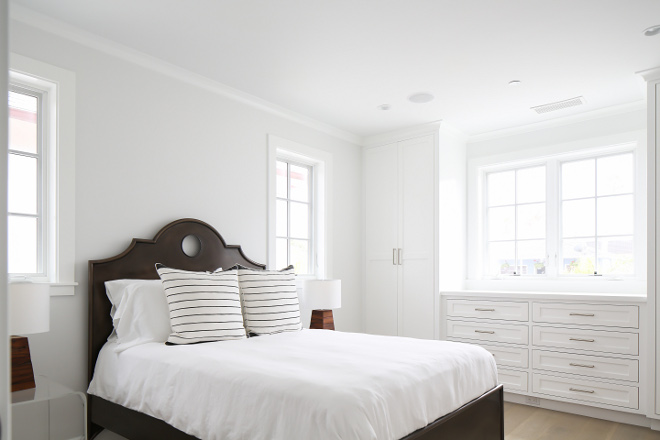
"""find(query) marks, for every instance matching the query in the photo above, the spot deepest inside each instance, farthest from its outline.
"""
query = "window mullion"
(553, 217)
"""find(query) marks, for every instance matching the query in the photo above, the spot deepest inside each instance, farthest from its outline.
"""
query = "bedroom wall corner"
(5, 409)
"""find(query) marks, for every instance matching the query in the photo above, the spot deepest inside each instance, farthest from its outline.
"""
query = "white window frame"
(44, 116)
(553, 156)
(321, 163)
(58, 129)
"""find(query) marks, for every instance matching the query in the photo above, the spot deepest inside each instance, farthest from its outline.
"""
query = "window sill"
(56, 289)
(591, 285)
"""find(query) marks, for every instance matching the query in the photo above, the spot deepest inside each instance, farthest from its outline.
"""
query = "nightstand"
(51, 411)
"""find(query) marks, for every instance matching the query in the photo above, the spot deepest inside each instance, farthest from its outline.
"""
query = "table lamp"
(321, 296)
(29, 313)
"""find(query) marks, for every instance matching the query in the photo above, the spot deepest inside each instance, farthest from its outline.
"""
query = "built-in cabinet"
(584, 351)
(400, 230)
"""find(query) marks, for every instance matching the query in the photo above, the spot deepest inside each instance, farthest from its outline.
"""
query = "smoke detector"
(560, 105)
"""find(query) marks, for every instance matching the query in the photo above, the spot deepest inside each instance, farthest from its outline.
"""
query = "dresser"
(585, 350)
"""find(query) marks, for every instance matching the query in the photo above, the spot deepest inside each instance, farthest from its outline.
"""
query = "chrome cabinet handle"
(581, 391)
(582, 340)
(485, 331)
(580, 314)
(483, 310)
(581, 365)
(400, 257)
(394, 256)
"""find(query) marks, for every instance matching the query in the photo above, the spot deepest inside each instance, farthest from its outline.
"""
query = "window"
(299, 201)
(26, 179)
(597, 228)
(41, 174)
(294, 214)
(571, 215)
(516, 221)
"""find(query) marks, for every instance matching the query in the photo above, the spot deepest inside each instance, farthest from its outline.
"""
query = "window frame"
(478, 277)
(43, 272)
(321, 163)
(59, 164)
(311, 240)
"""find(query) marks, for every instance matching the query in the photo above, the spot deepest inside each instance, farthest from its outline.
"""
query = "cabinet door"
(417, 237)
(381, 211)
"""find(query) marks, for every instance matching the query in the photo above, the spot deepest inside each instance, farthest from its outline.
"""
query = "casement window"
(299, 203)
(567, 216)
(294, 223)
(41, 174)
(27, 202)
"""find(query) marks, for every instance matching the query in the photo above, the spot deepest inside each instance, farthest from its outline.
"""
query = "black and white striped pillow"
(204, 306)
(270, 300)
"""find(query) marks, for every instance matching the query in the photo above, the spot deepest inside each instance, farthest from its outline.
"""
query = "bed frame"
(480, 419)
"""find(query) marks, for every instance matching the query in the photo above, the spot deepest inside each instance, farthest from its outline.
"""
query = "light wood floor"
(523, 422)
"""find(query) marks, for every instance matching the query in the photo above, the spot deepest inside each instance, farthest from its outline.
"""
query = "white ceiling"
(337, 60)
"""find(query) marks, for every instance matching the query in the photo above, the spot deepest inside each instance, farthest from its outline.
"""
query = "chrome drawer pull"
(581, 314)
(581, 391)
(484, 310)
(582, 340)
(485, 331)
(581, 365)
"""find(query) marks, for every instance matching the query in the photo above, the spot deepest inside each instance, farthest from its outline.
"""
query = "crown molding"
(558, 122)
(401, 134)
(56, 27)
(650, 74)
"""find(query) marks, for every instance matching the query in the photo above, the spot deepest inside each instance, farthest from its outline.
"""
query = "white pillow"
(270, 300)
(144, 315)
(115, 290)
(203, 306)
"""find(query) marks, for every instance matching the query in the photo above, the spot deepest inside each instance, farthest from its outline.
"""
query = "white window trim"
(321, 161)
(59, 163)
(477, 168)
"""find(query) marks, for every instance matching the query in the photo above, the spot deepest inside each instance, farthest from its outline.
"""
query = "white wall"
(4, 348)
(151, 149)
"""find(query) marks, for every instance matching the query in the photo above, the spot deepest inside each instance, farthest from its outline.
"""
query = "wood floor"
(523, 422)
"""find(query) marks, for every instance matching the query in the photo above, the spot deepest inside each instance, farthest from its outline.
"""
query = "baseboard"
(588, 411)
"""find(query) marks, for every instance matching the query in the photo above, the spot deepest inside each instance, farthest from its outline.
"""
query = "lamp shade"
(322, 294)
(29, 308)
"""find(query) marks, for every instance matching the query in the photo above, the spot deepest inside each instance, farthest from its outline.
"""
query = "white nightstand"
(50, 411)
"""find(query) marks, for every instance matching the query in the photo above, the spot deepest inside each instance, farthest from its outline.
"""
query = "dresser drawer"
(504, 356)
(488, 331)
(513, 381)
(594, 366)
(586, 390)
(586, 314)
(581, 339)
(506, 310)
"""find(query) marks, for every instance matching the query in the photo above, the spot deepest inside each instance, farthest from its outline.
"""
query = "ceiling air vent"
(553, 106)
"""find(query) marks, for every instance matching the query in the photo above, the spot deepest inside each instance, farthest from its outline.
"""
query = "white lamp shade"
(29, 308)
(322, 294)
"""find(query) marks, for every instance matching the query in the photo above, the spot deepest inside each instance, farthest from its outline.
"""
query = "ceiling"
(336, 61)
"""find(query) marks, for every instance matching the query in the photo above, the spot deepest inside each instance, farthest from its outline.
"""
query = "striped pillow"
(270, 300)
(204, 306)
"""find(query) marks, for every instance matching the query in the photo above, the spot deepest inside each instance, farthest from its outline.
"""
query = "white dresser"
(580, 349)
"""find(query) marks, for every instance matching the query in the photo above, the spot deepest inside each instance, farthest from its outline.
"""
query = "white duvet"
(312, 384)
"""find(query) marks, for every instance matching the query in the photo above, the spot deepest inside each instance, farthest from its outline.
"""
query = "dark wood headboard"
(138, 262)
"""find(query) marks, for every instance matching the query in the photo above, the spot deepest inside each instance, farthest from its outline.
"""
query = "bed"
(480, 418)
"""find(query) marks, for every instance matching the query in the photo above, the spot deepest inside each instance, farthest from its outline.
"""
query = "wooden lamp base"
(22, 375)
(322, 319)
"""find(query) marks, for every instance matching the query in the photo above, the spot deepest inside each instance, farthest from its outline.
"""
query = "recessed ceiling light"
(653, 30)
(515, 82)
(384, 107)
(421, 98)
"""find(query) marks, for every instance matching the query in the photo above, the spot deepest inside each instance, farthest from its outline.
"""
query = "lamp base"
(22, 375)
(322, 319)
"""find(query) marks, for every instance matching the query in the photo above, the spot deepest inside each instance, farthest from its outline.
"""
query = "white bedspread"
(313, 384)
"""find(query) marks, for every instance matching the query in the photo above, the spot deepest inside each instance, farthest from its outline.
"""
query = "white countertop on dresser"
(567, 296)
